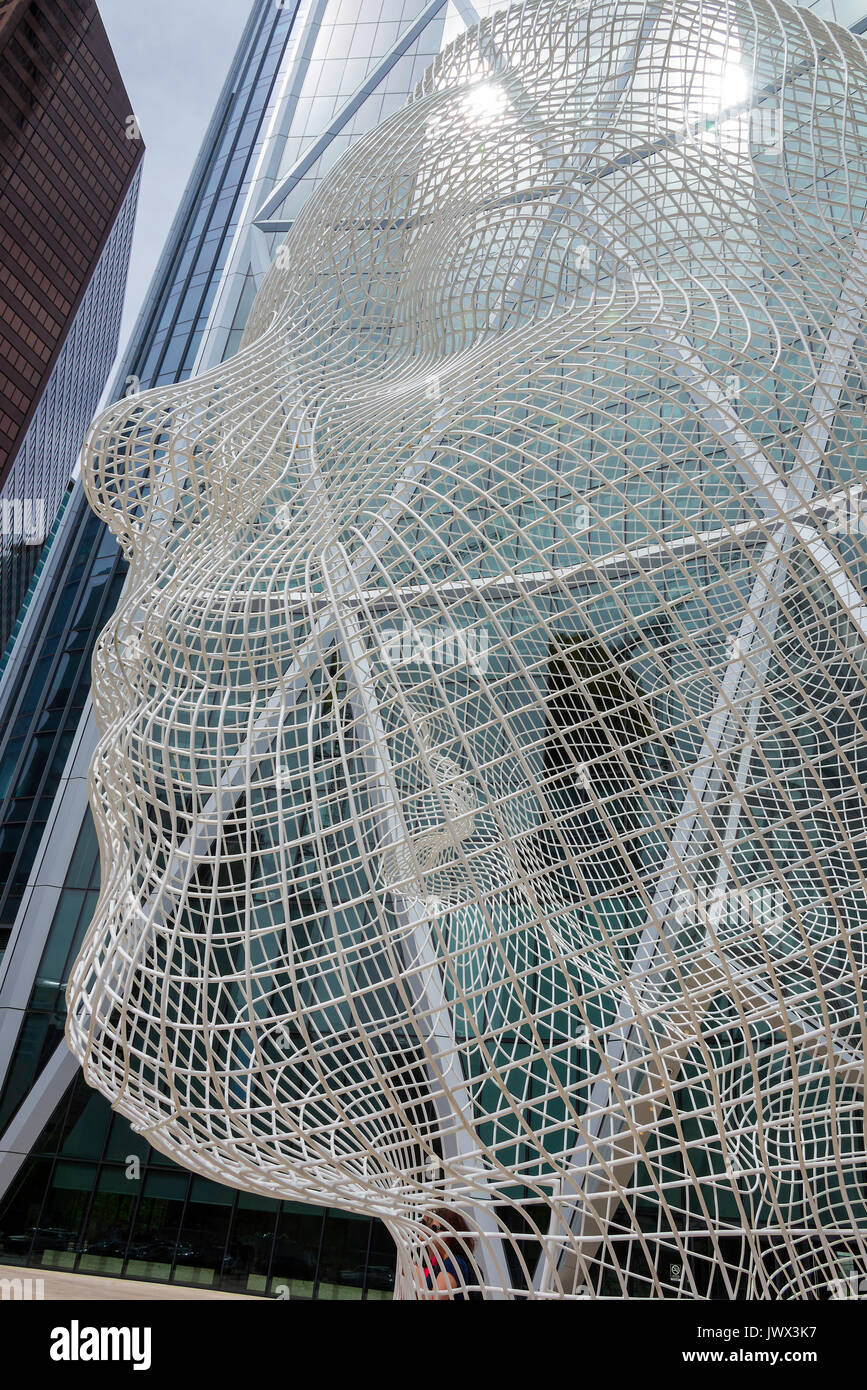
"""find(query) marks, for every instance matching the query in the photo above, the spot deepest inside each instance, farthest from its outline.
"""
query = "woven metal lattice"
(481, 784)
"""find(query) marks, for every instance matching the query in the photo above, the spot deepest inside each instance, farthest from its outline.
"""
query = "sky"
(173, 56)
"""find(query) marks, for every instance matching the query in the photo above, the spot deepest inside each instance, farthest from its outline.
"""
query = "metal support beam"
(365, 89)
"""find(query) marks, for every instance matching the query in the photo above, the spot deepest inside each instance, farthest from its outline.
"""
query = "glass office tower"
(70, 162)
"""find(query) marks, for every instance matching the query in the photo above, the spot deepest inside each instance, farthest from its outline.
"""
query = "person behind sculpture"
(445, 1270)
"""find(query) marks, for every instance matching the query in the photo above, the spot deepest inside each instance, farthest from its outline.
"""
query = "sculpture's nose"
(125, 449)
(166, 463)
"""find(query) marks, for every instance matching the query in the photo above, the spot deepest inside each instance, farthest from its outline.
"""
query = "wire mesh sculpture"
(481, 785)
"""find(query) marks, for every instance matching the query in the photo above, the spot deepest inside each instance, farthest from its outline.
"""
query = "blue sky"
(174, 55)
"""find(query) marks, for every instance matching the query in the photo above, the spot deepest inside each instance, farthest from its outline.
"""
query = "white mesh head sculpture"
(480, 791)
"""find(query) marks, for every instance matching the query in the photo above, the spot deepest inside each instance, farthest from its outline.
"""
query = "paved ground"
(89, 1288)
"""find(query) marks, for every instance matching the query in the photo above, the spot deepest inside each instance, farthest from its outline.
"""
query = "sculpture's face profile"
(480, 792)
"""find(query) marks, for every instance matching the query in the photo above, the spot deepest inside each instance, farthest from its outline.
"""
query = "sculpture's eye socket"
(503, 269)
(490, 218)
